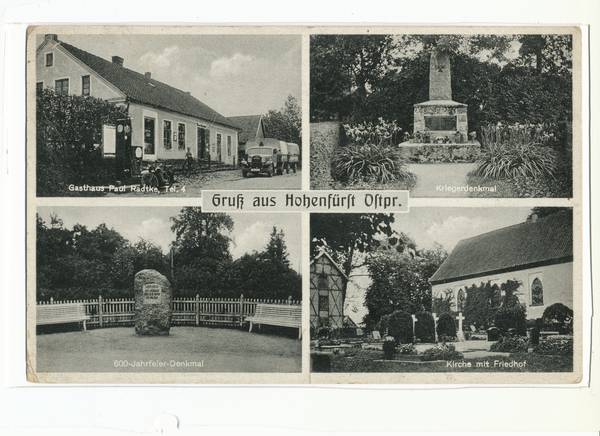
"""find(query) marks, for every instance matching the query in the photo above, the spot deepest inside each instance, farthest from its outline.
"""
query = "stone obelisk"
(440, 87)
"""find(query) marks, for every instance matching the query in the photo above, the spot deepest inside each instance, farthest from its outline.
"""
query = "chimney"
(117, 60)
(148, 75)
(51, 37)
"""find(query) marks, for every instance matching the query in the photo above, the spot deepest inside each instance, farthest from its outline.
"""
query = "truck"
(270, 156)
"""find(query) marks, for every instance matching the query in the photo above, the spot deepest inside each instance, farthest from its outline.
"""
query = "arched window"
(460, 300)
(537, 293)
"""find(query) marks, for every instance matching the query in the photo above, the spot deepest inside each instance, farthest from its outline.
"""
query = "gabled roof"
(324, 253)
(250, 125)
(139, 88)
(546, 241)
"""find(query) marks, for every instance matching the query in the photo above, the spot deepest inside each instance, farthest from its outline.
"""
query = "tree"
(285, 124)
(201, 249)
(344, 235)
(400, 282)
(68, 132)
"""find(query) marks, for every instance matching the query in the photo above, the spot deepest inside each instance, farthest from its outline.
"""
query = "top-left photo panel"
(161, 114)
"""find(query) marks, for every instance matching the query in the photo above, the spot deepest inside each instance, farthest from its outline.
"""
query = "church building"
(327, 282)
(537, 253)
(165, 121)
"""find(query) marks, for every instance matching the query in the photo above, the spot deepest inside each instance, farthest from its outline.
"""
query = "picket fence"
(186, 311)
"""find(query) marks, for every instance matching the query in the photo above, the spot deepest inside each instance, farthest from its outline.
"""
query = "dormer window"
(49, 59)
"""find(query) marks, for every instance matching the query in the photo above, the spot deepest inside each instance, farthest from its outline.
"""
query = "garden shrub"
(383, 323)
(389, 349)
(406, 349)
(425, 327)
(508, 344)
(560, 316)
(511, 318)
(441, 352)
(557, 345)
(379, 163)
(509, 151)
(325, 138)
(400, 327)
(68, 137)
(446, 326)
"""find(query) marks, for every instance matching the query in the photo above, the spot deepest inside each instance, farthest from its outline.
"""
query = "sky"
(444, 225)
(233, 74)
(250, 232)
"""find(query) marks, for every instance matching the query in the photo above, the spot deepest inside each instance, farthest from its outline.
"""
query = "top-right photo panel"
(447, 115)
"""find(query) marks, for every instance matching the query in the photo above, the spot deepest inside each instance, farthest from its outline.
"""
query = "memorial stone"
(153, 301)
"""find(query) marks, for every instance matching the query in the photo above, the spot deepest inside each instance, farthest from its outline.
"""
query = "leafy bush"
(68, 134)
(557, 345)
(516, 150)
(560, 315)
(389, 349)
(425, 327)
(406, 349)
(441, 352)
(511, 344)
(381, 163)
(383, 133)
(400, 327)
(446, 326)
(508, 318)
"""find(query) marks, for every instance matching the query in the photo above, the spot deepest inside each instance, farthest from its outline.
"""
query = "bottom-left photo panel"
(164, 294)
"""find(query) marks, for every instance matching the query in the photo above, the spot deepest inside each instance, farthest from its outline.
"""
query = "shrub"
(383, 323)
(446, 326)
(380, 163)
(508, 344)
(557, 345)
(560, 315)
(516, 150)
(400, 327)
(325, 138)
(406, 349)
(511, 318)
(425, 327)
(441, 352)
(389, 349)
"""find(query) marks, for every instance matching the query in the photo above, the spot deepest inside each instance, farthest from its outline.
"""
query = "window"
(167, 134)
(537, 292)
(219, 151)
(323, 303)
(62, 86)
(49, 59)
(460, 300)
(228, 145)
(85, 85)
(148, 135)
(39, 86)
(322, 281)
(181, 136)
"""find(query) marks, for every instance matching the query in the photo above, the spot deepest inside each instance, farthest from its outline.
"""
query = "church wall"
(557, 284)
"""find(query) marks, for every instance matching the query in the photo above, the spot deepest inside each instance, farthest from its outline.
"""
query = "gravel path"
(440, 180)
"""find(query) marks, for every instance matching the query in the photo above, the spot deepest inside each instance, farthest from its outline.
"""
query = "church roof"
(544, 241)
(249, 125)
(143, 89)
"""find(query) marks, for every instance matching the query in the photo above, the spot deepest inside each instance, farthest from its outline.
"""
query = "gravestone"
(376, 335)
(460, 336)
(153, 301)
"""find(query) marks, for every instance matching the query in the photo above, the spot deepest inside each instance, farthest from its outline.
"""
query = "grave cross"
(460, 335)
(435, 319)
(414, 319)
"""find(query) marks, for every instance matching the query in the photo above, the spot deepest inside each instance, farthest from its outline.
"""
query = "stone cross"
(460, 335)
(414, 319)
(435, 318)
(153, 300)
(440, 87)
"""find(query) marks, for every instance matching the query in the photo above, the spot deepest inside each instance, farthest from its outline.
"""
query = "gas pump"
(128, 158)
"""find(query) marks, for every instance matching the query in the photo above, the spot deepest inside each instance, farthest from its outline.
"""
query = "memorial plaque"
(440, 123)
(152, 293)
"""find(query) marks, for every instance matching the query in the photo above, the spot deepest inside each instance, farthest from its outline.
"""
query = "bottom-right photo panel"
(446, 295)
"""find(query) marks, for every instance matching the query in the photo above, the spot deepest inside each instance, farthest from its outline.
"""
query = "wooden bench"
(279, 315)
(61, 314)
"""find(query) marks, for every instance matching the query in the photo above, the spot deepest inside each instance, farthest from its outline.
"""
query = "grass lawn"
(364, 361)
(119, 349)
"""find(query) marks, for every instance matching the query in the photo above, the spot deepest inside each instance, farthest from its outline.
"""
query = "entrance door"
(201, 143)
(149, 135)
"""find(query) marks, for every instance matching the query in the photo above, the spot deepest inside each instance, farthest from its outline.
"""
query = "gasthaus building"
(165, 121)
(538, 253)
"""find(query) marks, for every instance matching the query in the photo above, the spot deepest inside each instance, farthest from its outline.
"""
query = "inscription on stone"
(152, 292)
(440, 123)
